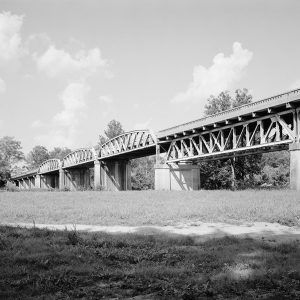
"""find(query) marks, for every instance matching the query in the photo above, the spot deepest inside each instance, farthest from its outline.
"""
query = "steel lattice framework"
(78, 157)
(128, 142)
(49, 166)
(270, 130)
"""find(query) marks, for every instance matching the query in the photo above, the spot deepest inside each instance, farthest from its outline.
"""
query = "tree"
(59, 152)
(37, 155)
(217, 104)
(114, 128)
(241, 98)
(10, 154)
(142, 174)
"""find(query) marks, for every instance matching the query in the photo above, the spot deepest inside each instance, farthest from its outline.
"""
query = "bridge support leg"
(116, 175)
(295, 166)
(97, 175)
(77, 179)
(37, 181)
(183, 177)
(61, 179)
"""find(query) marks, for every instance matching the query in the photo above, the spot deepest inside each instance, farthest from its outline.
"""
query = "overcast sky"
(68, 67)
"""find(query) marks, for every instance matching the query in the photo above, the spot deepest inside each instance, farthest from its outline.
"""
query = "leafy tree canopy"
(224, 101)
(10, 154)
(59, 152)
(37, 155)
(114, 128)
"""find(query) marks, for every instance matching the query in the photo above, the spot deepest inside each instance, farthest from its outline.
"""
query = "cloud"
(106, 99)
(2, 86)
(295, 85)
(65, 124)
(59, 63)
(220, 76)
(37, 124)
(10, 38)
(143, 125)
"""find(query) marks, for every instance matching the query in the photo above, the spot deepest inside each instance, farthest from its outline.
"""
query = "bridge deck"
(233, 115)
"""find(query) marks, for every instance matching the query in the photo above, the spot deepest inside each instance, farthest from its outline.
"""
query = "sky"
(69, 67)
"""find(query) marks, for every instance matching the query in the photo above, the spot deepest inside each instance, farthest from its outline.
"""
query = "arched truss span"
(128, 142)
(49, 166)
(78, 157)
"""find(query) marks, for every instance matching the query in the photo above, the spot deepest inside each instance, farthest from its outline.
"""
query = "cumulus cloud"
(37, 124)
(60, 63)
(295, 85)
(143, 125)
(65, 124)
(2, 86)
(10, 38)
(106, 99)
(220, 76)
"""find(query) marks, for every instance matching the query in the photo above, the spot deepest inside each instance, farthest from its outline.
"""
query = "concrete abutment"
(181, 177)
(295, 166)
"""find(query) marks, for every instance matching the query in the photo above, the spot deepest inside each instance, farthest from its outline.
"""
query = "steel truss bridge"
(267, 125)
(264, 125)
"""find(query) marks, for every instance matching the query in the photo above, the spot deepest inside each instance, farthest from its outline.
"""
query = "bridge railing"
(49, 165)
(127, 142)
(79, 156)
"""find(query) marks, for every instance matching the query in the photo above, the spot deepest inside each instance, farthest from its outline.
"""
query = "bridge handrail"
(226, 112)
(55, 160)
(92, 150)
(128, 132)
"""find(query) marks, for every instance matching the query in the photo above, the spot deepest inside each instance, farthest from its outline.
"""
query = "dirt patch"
(261, 230)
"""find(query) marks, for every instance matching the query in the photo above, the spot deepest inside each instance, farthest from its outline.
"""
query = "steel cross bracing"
(79, 156)
(270, 130)
(49, 166)
(127, 142)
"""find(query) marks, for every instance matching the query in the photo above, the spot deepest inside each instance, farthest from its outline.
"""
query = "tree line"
(249, 171)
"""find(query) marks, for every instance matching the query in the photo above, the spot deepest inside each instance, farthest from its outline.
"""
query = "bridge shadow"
(150, 264)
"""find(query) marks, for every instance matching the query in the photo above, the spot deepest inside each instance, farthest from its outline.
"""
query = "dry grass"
(43, 264)
(151, 207)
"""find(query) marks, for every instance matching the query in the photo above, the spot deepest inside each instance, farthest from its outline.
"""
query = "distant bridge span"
(267, 125)
(131, 144)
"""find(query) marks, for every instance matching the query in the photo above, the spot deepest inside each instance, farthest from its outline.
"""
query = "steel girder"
(79, 157)
(128, 142)
(266, 131)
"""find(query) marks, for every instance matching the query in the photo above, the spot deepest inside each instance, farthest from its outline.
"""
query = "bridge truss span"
(139, 141)
(268, 131)
(49, 165)
(79, 157)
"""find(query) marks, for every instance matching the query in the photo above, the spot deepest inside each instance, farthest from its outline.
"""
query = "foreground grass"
(150, 207)
(68, 265)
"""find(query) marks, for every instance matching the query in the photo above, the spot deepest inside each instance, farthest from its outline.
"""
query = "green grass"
(151, 207)
(47, 264)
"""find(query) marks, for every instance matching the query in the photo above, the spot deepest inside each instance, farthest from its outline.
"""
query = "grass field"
(43, 264)
(150, 207)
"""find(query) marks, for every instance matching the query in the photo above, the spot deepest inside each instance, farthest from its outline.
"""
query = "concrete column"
(97, 174)
(182, 177)
(37, 182)
(128, 185)
(116, 175)
(295, 166)
(61, 183)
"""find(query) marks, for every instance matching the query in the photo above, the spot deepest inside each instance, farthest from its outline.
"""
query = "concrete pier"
(181, 177)
(295, 166)
(116, 175)
(76, 179)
